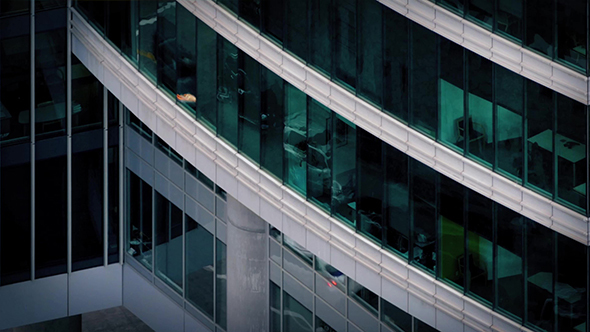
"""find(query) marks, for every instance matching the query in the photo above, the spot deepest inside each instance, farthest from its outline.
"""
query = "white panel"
(368, 278)
(149, 304)
(447, 323)
(33, 301)
(248, 197)
(422, 310)
(342, 261)
(318, 245)
(96, 289)
(294, 229)
(271, 214)
(394, 294)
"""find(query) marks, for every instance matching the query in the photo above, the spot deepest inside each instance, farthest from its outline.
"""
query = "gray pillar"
(247, 269)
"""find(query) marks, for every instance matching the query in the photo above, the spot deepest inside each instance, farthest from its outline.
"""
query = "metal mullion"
(122, 208)
(183, 288)
(32, 132)
(215, 313)
(105, 182)
(69, 137)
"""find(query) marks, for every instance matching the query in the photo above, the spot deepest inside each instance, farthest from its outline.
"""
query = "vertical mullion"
(122, 197)
(32, 133)
(183, 259)
(69, 136)
(105, 182)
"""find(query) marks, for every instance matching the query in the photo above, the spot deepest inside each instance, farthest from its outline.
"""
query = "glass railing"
(482, 248)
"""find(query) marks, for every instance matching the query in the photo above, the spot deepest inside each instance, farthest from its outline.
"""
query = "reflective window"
(344, 179)
(296, 318)
(510, 18)
(370, 185)
(94, 10)
(572, 33)
(275, 307)
(396, 64)
(207, 93)
(186, 53)
(221, 284)
(122, 25)
(273, 19)
(199, 266)
(423, 87)
(538, 29)
(139, 216)
(249, 108)
(452, 231)
(168, 226)
(228, 91)
(364, 296)
(539, 272)
(294, 139)
(510, 237)
(478, 127)
(344, 42)
(14, 7)
(272, 122)
(320, 41)
(571, 285)
(478, 262)
(319, 153)
(147, 38)
(250, 11)
(296, 13)
(87, 98)
(452, 95)
(166, 39)
(540, 136)
(397, 319)
(509, 92)
(113, 195)
(397, 203)
(370, 51)
(424, 211)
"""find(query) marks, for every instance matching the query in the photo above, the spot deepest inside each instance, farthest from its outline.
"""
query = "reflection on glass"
(539, 30)
(481, 11)
(423, 87)
(319, 154)
(249, 108)
(320, 41)
(296, 318)
(221, 284)
(199, 266)
(228, 90)
(370, 51)
(509, 18)
(334, 276)
(272, 121)
(139, 219)
(294, 139)
(540, 136)
(424, 202)
(452, 231)
(370, 185)
(250, 11)
(478, 130)
(572, 32)
(296, 26)
(344, 180)
(478, 263)
(14, 7)
(344, 42)
(113, 195)
(509, 93)
(148, 23)
(275, 307)
(397, 209)
(509, 260)
(166, 34)
(186, 54)
(397, 319)
(571, 285)
(539, 272)
(272, 20)
(451, 94)
(168, 225)
(364, 296)
(396, 64)
(122, 26)
(207, 75)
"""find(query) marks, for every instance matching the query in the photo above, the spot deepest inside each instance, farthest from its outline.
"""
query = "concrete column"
(247, 269)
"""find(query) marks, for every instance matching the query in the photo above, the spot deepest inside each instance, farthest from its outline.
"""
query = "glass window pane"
(424, 206)
(272, 19)
(572, 32)
(168, 226)
(345, 42)
(139, 216)
(370, 62)
(294, 139)
(571, 286)
(540, 136)
(113, 192)
(186, 67)
(539, 26)
(344, 180)
(570, 145)
(232, 5)
(249, 118)
(457, 6)
(424, 73)
(451, 100)
(167, 45)
(275, 307)
(539, 272)
(87, 98)
(148, 22)
(50, 73)
(319, 35)
(509, 96)
(452, 228)
(481, 12)
(319, 151)
(272, 123)
(122, 26)
(364, 296)
(334, 276)
(15, 215)
(207, 75)
(479, 261)
(94, 10)
(296, 318)
(50, 207)
(370, 185)
(396, 64)
(15, 76)
(296, 27)
(394, 317)
(87, 199)
(509, 260)
(397, 209)
(250, 11)
(199, 266)
(509, 18)
(227, 91)
(221, 284)
(478, 131)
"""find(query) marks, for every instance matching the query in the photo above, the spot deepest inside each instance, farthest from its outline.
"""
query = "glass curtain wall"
(409, 212)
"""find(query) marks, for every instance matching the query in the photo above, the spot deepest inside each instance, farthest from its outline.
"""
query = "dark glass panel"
(168, 226)
(539, 26)
(344, 168)
(397, 208)
(168, 151)
(479, 260)
(186, 66)
(94, 10)
(15, 76)
(167, 46)
(540, 265)
(370, 62)
(572, 32)
(509, 265)
(221, 284)
(294, 139)
(482, 11)
(50, 207)
(275, 307)
(140, 127)
(122, 26)
(227, 91)
(148, 38)
(272, 18)
(457, 6)
(249, 108)
(50, 73)
(396, 64)
(139, 219)
(570, 147)
(452, 231)
(87, 199)
(345, 44)
(250, 11)
(296, 22)
(206, 75)
(87, 98)
(364, 296)
(271, 136)
(420, 326)
(424, 231)
(15, 214)
(424, 74)
(509, 18)
(370, 184)
(479, 129)
(509, 96)
(320, 52)
(571, 286)
(199, 263)
(49, 4)
(451, 100)
(14, 7)
(319, 152)
(113, 194)
(540, 135)
(397, 319)
(112, 110)
(232, 5)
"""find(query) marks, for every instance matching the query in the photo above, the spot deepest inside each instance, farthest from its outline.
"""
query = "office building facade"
(296, 165)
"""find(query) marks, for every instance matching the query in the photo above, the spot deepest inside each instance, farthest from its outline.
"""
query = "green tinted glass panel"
(424, 212)
(294, 139)
(227, 91)
(249, 108)
(168, 226)
(424, 72)
(148, 24)
(186, 66)
(451, 94)
(207, 92)
(319, 152)
(296, 23)
(370, 184)
(344, 184)
(478, 127)
(320, 41)
(539, 271)
(345, 44)
(167, 46)
(272, 123)
(452, 228)
(540, 136)
(370, 51)
(199, 260)
(510, 276)
(396, 64)
(397, 203)
(479, 260)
